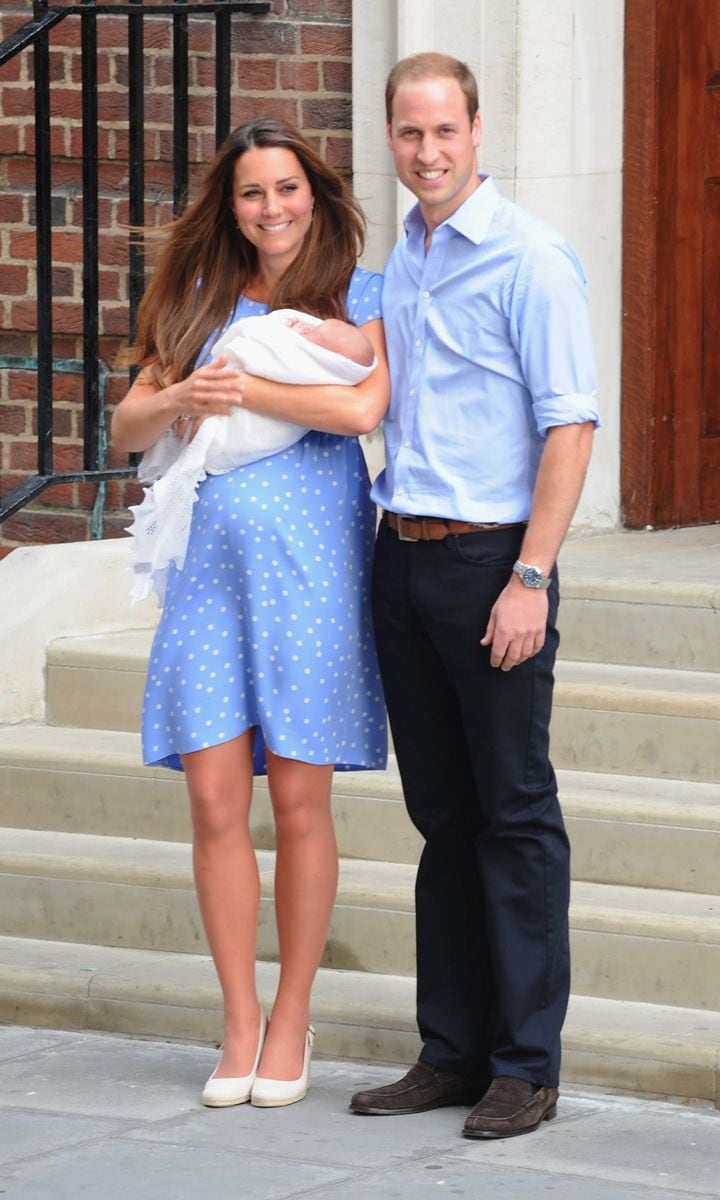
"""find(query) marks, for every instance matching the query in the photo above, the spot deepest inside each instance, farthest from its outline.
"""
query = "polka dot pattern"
(268, 623)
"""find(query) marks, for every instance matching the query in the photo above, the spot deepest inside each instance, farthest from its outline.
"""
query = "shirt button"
(411, 392)
(418, 342)
(406, 442)
(426, 295)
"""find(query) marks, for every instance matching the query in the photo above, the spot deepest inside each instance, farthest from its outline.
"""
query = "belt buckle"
(403, 537)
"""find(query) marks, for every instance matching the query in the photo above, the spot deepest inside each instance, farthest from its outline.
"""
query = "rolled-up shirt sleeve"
(549, 327)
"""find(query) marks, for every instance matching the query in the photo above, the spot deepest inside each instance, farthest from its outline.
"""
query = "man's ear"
(388, 135)
(477, 129)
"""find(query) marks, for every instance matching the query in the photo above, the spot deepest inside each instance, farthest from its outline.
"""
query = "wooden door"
(670, 466)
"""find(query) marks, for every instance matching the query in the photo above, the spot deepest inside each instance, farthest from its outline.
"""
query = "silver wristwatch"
(532, 577)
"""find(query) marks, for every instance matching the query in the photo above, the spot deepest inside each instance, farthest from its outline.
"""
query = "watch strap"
(531, 576)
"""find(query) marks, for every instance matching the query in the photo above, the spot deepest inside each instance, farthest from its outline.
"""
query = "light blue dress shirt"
(489, 345)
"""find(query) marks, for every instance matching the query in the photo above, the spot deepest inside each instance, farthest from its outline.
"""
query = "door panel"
(711, 312)
(671, 332)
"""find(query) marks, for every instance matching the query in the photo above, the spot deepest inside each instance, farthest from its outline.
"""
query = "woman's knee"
(300, 795)
(219, 782)
(217, 811)
(299, 815)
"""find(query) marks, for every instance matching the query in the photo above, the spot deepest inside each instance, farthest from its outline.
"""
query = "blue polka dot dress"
(268, 623)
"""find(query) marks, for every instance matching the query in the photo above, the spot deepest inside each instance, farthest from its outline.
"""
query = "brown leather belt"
(434, 529)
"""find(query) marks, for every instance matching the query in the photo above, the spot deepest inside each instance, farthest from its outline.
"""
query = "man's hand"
(517, 625)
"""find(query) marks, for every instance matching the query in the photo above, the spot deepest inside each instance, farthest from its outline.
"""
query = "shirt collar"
(472, 219)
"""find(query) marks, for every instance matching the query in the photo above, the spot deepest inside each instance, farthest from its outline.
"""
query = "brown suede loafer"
(511, 1107)
(418, 1091)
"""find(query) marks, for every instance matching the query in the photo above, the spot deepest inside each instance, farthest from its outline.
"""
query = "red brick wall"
(294, 62)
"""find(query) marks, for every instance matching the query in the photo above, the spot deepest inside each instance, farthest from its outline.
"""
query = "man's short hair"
(432, 66)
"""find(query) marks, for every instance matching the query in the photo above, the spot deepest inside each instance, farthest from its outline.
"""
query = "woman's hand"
(213, 390)
(148, 410)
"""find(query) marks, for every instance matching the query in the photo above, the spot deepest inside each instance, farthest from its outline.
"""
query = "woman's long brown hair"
(207, 263)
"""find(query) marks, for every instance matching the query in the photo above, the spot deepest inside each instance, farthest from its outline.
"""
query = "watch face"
(532, 577)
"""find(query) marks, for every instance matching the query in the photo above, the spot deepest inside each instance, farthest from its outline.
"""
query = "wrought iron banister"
(34, 35)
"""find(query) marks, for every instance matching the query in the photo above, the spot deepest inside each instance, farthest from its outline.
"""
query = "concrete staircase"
(98, 922)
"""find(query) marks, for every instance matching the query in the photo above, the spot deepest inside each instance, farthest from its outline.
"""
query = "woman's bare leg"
(305, 885)
(228, 887)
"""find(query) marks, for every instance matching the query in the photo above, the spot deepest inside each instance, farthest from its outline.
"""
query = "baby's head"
(340, 337)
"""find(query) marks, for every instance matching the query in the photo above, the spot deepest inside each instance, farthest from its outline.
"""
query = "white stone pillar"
(480, 32)
(569, 120)
(374, 52)
(550, 75)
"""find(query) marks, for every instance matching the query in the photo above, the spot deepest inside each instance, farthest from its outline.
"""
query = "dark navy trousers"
(472, 744)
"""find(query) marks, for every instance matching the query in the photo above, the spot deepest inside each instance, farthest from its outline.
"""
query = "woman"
(263, 660)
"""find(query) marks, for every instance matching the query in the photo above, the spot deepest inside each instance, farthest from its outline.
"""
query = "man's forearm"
(560, 479)
(516, 629)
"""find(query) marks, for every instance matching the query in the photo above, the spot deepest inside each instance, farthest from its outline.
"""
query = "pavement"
(97, 1116)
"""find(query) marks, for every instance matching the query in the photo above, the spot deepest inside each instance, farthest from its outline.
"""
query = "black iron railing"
(35, 35)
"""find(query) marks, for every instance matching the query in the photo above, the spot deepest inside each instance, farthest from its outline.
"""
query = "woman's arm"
(331, 408)
(147, 410)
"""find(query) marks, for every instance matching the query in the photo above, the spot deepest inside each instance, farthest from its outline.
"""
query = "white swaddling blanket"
(264, 346)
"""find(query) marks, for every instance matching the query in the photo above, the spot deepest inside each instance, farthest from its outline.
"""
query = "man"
(488, 437)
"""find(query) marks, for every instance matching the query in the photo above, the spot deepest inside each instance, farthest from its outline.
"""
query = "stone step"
(97, 681)
(607, 717)
(646, 945)
(652, 599)
(140, 893)
(628, 720)
(643, 832)
(629, 629)
(92, 781)
(624, 829)
(628, 943)
(640, 1048)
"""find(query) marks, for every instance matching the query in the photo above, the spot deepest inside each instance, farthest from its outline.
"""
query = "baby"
(285, 346)
(339, 336)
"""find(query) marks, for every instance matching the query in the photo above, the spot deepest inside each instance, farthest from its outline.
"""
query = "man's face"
(434, 144)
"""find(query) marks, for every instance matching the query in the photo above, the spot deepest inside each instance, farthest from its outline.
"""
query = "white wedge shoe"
(221, 1093)
(274, 1093)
